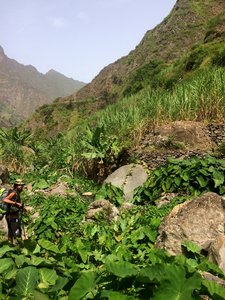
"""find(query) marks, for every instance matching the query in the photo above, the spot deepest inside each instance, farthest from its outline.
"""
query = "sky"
(77, 38)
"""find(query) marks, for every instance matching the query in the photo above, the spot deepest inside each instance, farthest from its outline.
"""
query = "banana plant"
(102, 150)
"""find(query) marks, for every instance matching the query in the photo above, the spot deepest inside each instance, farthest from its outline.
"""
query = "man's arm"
(8, 200)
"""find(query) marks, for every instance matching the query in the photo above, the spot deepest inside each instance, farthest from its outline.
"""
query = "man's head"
(19, 184)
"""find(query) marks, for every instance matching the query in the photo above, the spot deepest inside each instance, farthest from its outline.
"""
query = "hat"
(19, 182)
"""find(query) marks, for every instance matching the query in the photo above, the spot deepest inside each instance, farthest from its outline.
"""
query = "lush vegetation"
(65, 257)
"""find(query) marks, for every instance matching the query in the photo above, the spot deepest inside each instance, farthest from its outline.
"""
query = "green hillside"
(65, 151)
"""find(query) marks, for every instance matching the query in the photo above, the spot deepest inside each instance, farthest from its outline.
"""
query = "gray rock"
(217, 252)
(102, 209)
(128, 178)
(200, 220)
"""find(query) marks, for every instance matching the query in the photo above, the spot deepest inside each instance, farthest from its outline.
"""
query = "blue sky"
(77, 38)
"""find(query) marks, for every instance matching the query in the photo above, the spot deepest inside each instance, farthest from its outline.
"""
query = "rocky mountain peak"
(2, 54)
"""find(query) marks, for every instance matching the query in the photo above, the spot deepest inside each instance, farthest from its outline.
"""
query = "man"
(14, 205)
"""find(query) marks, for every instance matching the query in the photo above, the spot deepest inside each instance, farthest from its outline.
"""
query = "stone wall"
(155, 148)
(216, 132)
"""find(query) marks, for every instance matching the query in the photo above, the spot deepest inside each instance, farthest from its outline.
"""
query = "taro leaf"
(177, 181)
(185, 176)
(47, 245)
(60, 283)
(121, 268)
(26, 280)
(214, 289)
(5, 249)
(48, 276)
(5, 264)
(204, 172)
(19, 260)
(85, 284)
(41, 184)
(37, 261)
(111, 295)
(191, 247)
(218, 178)
(202, 181)
(176, 286)
(83, 252)
(151, 274)
(11, 274)
(39, 296)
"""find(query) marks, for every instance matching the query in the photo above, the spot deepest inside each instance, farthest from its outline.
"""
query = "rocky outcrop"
(189, 134)
(180, 139)
(200, 220)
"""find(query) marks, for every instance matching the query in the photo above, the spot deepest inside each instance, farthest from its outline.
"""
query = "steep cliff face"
(186, 26)
(23, 88)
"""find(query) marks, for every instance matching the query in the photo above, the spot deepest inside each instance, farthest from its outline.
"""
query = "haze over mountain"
(23, 89)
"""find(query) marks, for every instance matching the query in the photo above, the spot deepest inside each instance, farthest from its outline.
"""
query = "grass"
(200, 98)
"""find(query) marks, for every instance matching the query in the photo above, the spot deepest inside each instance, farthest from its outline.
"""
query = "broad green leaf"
(85, 284)
(214, 289)
(26, 280)
(137, 235)
(121, 268)
(11, 274)
(204, 172)
(60, 283)
(41, 184)
(111, 295)
(185, 176)
(19, 260)
(48, 276)
(177, 180)
(37, 261)
(218, 178)
(202, 181)
(176, 286)
(39, 296)
(151, 274)
(192, 247)
(48, 245)
(5, 264)
(5, 249)
(83, 252)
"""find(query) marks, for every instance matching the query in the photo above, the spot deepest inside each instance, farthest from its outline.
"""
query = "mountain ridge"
(23, 88)
(183, 28)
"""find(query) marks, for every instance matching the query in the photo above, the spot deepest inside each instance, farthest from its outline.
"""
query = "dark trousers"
(14, 225)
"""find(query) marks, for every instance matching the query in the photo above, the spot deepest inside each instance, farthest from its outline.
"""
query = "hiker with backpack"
(13, 208)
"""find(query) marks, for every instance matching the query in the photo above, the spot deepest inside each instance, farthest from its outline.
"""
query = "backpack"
(3, 193)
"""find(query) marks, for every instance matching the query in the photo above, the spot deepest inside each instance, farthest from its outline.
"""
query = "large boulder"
(191, 134)
(128, 178)
(200, 220)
